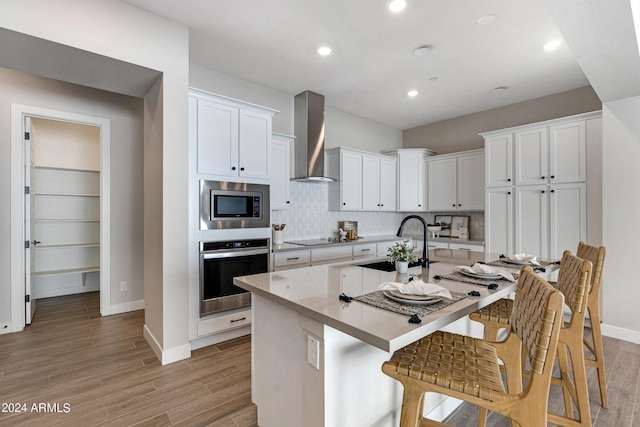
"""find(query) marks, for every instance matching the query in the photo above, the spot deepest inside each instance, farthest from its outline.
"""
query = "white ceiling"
(372, 67)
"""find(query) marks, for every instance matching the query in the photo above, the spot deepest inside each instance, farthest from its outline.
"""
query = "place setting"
(480, 274)
(520, 260)
(415, 298)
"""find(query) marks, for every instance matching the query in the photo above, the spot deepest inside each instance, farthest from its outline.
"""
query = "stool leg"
(598, 352)
(411, 407)
(563, 363)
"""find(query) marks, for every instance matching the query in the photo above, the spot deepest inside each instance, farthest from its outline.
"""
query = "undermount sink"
(388, 266)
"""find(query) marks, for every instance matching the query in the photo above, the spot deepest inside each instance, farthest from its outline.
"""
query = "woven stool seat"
(498, 312)
(458, 362)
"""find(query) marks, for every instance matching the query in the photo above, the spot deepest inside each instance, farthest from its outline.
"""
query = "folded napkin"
(478, 268)
(524, 257)
(416, 287)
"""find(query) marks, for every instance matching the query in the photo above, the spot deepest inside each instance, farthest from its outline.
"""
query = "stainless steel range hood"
(309, 132)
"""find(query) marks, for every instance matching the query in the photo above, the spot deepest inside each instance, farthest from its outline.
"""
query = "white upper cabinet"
(345, 166)
(456, 181)
(378, 183)
(387, 184)
(531, 157)
(233, 138)
(280, 171)
(498, 153)
(568, 153)
(412, 178)
(367, 181)
(550, 152)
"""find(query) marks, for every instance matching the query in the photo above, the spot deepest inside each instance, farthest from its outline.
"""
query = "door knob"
(35, 242)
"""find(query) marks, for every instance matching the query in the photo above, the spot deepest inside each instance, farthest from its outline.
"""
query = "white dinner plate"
(410, 299)
(484, 276)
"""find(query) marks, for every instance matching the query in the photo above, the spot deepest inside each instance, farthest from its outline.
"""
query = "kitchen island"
(316, 360)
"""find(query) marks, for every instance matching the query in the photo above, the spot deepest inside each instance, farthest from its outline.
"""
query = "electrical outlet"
(124, 286)
(313, 351)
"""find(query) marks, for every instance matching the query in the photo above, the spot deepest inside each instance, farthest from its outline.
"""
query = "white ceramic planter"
(402, 266)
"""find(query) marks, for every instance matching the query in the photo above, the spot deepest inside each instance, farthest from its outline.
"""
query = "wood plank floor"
(104, 370)
(622, 365)
(106, 373)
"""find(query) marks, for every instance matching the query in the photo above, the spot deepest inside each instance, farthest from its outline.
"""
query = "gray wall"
(461, 133)
(125, 114)
(342, 129)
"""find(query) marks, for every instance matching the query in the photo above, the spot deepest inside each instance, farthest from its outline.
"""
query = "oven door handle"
(234, 254)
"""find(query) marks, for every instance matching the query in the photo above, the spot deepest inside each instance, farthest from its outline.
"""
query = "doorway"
(62, 226)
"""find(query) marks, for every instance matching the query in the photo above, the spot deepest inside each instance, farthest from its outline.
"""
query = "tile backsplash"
(308, 217)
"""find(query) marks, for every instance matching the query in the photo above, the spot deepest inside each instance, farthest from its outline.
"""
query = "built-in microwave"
(226, 205)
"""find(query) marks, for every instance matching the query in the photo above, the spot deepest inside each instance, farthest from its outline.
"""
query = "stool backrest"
(536, 319)
(596, 256)
(573, 281)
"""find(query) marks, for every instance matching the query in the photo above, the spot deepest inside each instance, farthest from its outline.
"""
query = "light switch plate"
(313, 351)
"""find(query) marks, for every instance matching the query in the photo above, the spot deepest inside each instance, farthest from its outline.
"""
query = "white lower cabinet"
(499, 224)
(225, 321)
(550, 219)
(322, 255)
(291, 259)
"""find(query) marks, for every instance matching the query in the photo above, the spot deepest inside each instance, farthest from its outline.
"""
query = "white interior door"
(29, 228)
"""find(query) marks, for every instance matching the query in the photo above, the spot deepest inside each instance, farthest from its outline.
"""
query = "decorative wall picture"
(460, 226)
(445, 223)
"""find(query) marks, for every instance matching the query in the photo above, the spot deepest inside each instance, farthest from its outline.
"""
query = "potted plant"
(402, 254)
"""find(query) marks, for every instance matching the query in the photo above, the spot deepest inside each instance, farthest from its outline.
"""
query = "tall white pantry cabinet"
(537, 184)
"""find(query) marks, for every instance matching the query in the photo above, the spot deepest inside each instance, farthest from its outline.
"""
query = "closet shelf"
(90, 269)
(68, 245)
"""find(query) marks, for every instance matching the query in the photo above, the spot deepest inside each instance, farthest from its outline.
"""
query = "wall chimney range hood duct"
(309, 133)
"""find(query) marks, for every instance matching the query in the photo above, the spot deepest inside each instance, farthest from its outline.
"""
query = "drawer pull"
(238, 320)
(365, 250)
(293, 259)
(463, 249)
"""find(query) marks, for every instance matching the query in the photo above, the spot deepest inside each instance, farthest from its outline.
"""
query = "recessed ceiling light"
(498, 89)
(422, 50)
(324, 50)
(487, 19)
(397, 5)
(412, 93)
(552, 45)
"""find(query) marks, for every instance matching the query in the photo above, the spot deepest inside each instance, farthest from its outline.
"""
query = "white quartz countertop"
(375, 239)
(313, 292)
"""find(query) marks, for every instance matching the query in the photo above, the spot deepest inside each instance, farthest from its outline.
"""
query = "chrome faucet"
(425, 252)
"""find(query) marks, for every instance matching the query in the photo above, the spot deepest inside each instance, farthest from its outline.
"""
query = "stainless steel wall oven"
(220, 262)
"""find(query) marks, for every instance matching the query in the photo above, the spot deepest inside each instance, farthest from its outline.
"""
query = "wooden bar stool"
(468, 368)
(573, 280)
(596, 256)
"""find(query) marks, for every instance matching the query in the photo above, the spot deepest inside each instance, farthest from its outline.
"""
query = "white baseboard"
(125, 307)
(220, 337)
(621, 333)
(170, 355)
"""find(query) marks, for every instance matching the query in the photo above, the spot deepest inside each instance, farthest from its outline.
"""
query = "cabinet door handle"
(553, 176)
(288, 202)
(233, 168)
(419, 205)
(508, 179)
(542, 177)
(241, 169)
(238, 320)
(381, 204)
(508, 192)
(344, 204)
(553, 191)
(542, 191)
(459, 204)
